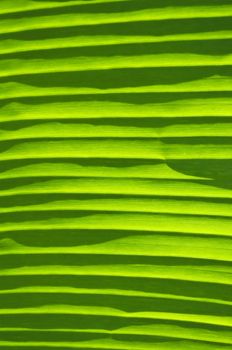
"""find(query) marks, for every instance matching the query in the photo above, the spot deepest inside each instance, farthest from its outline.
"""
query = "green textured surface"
(115, 174)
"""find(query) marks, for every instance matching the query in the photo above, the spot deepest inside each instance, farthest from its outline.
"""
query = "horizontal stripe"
(37, 66)
(101, 311)
(7, 7)
(142, 222)
(173, 331)
(218, 274)
(42, 169)
(212, 84)
(109, 344)
(14, 46)
(84, 19)
(125, 149)
(143, 205)
(117, 292)
(138, 245)
(208, 107)
(122, 187)
(79, 130)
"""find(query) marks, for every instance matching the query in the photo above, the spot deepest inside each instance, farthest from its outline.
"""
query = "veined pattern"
(115, 174)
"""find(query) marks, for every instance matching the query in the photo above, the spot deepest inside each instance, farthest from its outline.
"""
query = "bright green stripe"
(123, 187)
(137, 245)
(77, 130)
(37, 66)
(208, 107)
(211, 84)
(107, 344)
(145, 149)
(137, 222)
(83, 19)
(146, 205)
(104, 311)
(13, 46)
(206, 274)
(124, 149)
(135, 149)
(7, 6)
(173, 331)
(102, 292)
(158, 171)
